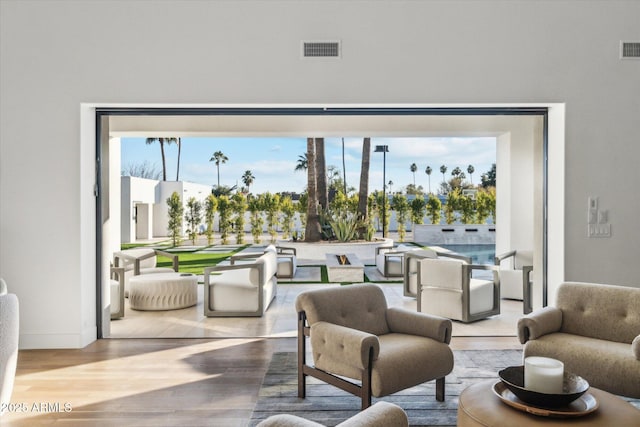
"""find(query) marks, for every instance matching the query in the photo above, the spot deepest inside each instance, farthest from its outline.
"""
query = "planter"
(459, 234)
(317, 252)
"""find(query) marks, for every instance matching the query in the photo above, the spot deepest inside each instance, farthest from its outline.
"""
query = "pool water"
(480, 254)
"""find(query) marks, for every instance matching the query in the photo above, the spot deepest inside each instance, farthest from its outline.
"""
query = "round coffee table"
(163, 291)
(479, 406)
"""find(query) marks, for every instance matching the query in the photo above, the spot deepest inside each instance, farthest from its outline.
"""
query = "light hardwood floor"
(196, 371)
(155, 382)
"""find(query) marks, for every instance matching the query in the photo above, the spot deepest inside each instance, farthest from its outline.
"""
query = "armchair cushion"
(342, 350)
(635, 347)
(359, 308)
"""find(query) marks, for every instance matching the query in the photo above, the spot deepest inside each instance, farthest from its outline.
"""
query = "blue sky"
(273, 160)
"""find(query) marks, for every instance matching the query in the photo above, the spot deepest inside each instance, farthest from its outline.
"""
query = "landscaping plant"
(175, 211)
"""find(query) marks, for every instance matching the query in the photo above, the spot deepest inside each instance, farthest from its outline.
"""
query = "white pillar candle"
(543, 374)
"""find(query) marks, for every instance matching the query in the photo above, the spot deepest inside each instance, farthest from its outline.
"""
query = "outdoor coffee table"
(351, 272)
(163, 291)
(479, 406)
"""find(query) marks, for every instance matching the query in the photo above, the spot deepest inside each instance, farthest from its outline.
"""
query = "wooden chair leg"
(440, 389)
(302, 380)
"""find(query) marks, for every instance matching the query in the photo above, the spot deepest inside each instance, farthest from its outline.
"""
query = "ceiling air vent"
(629, 50)
(321, 49)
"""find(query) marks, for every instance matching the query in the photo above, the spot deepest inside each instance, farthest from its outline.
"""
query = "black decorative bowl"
(573, 387)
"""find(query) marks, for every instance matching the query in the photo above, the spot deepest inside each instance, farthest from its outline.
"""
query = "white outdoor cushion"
(511, 284)
(115, 296)
(228, 297)
(448, 302)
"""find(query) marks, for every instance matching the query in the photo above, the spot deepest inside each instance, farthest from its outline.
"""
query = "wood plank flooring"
(179, 368)
(155, 382)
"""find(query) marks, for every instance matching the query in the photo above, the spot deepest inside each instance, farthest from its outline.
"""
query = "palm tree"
(321, 171)
(302, 163)
(313, 232)
(363, 193)
(414, 168)
(344, 169)
(247, 179)
(179, 142)
(456, 172)
(443, 170)
(390, 184)
(218, 157)
(428, 171)
(471, 170)
(162, 141)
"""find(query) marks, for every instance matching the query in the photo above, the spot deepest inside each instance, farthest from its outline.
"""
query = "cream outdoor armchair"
(412, 263)
(116, 287)
(515, 279)
(446, 288)
(286, 257)
(367, 349)
(142, 261)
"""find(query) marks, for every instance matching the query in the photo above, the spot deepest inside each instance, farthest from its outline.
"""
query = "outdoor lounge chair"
(446, 288)
(142, 261)
(515, 279)
(412, 264)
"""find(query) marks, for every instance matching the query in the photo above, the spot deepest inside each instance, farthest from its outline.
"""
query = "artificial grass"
(195, 263)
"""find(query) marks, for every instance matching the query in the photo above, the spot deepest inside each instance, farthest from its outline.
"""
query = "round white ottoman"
(163, 291)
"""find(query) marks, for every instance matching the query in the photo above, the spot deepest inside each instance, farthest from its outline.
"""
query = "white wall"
(57, 55)
(134, 190)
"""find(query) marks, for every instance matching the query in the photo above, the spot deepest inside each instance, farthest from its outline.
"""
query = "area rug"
(329, 405)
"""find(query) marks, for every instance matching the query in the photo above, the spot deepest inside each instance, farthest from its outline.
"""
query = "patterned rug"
(329, 405)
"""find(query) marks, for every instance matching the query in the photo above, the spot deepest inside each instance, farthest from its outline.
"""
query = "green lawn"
(195, 263)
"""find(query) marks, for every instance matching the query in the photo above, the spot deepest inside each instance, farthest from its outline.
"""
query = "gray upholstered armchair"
(355, 336)
(595, 330)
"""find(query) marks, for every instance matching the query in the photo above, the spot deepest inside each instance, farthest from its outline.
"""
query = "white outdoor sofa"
(239, 290)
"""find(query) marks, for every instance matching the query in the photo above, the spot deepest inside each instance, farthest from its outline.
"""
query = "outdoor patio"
(280, 318)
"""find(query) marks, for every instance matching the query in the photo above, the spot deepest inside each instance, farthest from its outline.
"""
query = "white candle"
(543, 374)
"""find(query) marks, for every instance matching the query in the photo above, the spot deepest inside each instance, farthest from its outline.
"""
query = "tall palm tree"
(302, 163)
(344, 169)
(321, 173)
(414, 168)
(390, 184)
(471, 170)
(428, 171)
(179, 142)
(162, 141)
(218, 157)
(247, 179)
(363, 192)
(443, 170)
(312, 232)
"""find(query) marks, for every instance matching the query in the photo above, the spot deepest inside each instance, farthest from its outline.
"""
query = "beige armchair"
(447, 288)
(382, 414)
(595, 330)
(367, 349)
(515, 276)
(9, 337)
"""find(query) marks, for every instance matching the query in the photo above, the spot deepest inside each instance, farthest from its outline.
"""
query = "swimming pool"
(480, 254)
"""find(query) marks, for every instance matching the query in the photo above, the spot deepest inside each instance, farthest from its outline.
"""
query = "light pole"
(384, 149)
